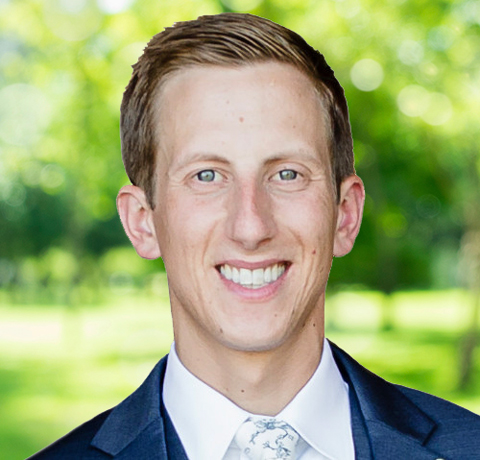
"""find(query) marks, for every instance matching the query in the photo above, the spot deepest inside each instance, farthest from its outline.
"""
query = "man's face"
(246, 212)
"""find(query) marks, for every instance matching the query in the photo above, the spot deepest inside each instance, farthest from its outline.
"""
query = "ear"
(137, 220)
(350, 212)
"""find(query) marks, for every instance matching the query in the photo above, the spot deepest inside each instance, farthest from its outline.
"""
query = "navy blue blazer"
(388, 422)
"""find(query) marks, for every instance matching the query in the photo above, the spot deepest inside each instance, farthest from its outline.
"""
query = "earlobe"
(350, 212)
(136, 216)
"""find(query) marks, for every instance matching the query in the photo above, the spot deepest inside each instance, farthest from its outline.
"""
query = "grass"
(60, 367)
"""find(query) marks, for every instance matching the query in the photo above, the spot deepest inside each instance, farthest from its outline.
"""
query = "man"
(236, 138)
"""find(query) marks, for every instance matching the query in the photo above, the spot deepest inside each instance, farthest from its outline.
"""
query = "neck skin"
(260, 382)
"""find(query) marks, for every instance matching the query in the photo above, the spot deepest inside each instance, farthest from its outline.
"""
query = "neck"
(260, 382)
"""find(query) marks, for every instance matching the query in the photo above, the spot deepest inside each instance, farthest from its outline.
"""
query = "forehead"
(202, 104)
(208, 79)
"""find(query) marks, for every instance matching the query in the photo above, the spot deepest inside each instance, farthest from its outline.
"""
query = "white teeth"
(253, 279)
(245, 276)
(235, 275)
(258, 278)
(267, 275)
(227, 272)
(275, 271)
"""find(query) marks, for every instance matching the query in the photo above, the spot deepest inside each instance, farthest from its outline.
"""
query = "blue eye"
(288, 174)
(207, 175)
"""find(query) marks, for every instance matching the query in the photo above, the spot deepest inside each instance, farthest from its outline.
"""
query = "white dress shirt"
(206, 421)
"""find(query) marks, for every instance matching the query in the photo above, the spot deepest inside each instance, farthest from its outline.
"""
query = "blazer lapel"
(385, 423)
(136, 427)
(395, 426)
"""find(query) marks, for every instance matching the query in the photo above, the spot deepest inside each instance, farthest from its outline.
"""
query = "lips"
(253, 279)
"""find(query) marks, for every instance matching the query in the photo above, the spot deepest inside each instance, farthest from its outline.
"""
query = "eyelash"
(211, 176)
(295, 174)
(199, 174)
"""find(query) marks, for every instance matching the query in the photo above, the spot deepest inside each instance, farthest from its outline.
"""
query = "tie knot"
(267, 439)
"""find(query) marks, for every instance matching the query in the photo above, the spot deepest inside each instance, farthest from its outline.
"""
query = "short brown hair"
(227, 39)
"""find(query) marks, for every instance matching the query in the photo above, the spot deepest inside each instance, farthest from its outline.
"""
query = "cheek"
(309, 218)
(191, 222)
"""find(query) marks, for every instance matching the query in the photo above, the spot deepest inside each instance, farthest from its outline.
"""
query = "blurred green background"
(83, 319)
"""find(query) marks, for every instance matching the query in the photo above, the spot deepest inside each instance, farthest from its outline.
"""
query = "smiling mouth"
(253, 279)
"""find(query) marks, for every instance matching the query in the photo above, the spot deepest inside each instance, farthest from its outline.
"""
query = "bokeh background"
(83, 318)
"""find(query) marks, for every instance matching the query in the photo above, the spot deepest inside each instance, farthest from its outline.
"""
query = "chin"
(254, 343)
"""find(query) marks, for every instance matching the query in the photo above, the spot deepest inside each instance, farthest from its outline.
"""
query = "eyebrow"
(289, 155)
(300, 154)
(202, 156)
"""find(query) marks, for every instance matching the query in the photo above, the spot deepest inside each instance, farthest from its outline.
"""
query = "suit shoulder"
(76, 444)
(440, 410)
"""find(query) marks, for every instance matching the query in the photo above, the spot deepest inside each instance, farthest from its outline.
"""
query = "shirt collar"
(320, 412)
(206, 421)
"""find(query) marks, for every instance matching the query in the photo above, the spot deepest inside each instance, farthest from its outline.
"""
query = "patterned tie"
(267, 439)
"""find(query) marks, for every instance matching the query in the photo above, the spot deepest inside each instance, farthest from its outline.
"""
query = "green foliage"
(410, 70)
(61, 367)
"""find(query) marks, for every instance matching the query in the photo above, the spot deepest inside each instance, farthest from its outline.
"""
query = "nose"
(250, 221)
